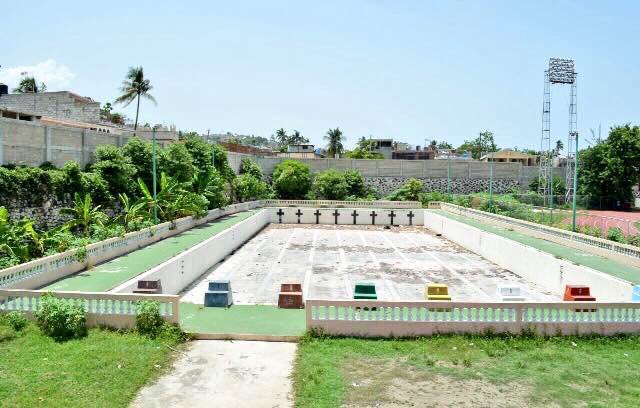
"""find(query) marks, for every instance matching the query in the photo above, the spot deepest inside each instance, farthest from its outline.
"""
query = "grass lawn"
(104, 369)
(242, 319)
(470, 371)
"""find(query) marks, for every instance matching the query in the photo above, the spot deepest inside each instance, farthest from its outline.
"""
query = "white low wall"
(532, 264)
(342, 204)
(374, 318)
(103, 309)
(180, 271)
(345, 216)
(41, 272)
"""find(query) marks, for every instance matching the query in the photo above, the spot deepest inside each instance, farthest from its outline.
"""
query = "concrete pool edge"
(510, 253)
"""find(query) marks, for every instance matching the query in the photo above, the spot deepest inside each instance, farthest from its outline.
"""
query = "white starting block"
(510, 294)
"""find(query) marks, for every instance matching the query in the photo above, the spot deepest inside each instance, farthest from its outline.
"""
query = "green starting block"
(365, 290)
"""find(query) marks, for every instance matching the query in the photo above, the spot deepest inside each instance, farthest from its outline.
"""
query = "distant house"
(382, 146)
(510, 156)
(428, 153)
(302, 151)
(62, 105)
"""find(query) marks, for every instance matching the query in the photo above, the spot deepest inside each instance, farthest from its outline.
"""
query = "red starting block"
(290, 296)
(578, 293)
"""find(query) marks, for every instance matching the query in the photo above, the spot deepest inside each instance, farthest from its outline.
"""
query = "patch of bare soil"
(394, 384)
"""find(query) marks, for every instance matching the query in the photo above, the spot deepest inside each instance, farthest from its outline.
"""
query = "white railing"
(387, 319)
(622, 249)
(343, 204)
(40, 272)
(112, 309)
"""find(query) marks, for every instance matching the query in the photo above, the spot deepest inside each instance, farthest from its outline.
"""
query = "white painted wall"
(532, 264)
(178, 272)
(345, 216)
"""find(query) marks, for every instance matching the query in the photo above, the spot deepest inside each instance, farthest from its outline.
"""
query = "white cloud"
(55, 76)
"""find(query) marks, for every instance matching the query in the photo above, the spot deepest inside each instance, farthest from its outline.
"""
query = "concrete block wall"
(60, 105)
(31, 143)
(386, 185)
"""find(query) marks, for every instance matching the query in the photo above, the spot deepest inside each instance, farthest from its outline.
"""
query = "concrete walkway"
(225, 374)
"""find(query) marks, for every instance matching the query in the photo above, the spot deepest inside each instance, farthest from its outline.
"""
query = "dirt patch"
(394, 384)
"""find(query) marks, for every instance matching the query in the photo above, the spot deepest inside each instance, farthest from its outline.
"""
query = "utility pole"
(155, 202)
(575, 184)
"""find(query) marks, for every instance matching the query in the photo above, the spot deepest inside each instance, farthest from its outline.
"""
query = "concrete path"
(225, 374)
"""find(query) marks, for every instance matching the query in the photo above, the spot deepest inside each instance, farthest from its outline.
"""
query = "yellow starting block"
(437, 291)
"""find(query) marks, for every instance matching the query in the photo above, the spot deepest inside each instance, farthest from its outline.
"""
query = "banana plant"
(16, 238)
(132, 213)
(84, 214)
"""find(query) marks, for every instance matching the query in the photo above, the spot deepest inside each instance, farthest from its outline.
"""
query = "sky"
(407, 70)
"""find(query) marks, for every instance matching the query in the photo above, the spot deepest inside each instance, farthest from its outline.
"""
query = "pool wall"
(532, 264)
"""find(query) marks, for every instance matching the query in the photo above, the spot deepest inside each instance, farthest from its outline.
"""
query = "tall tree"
(482, 144)
(135, 86)
(559, 146)
(28, 84)
(335, 138)
(297, 138)
(610, 168)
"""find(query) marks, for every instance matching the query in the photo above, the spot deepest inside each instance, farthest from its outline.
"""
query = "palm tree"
(84, 214)
(559, 146)
(334, 136)
(29, 85)
(133, 87)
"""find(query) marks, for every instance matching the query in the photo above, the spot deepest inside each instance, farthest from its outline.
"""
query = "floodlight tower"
(560, 72)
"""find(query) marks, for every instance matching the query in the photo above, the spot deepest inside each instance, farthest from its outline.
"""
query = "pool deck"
(597, 262)
(108, 275)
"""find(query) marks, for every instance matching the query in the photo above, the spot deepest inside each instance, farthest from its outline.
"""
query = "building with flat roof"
(510, 156)
(62, 105)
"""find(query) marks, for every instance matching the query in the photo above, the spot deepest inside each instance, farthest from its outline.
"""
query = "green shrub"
(589, 230)
(252, 168)
(330, 185)
(433, 196)
(462, 200)
(148, 319)
(115, 168)
(15, 320)
(60, 319)
(355, 184)
(291, 179)
(7, 333)
(176, 161)
(615, 234)
(248, 188)
(216, 190)
(412, 190)
(634, 240)
(140, 154)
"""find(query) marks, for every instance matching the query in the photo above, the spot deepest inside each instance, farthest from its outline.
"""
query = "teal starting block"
(365, 290)
(219, 294)
(635, 296)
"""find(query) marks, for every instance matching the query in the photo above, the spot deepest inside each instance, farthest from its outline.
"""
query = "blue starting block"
(635, 296)
(219, 294)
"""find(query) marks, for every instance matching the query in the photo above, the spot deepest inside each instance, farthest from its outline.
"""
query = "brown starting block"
(290, 296)
(578, 293)
(149, 287)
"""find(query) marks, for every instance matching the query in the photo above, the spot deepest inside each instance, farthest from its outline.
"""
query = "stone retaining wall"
(386, 185)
